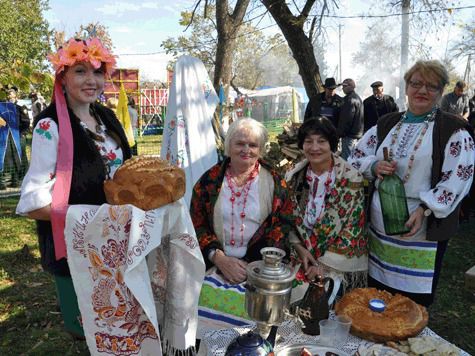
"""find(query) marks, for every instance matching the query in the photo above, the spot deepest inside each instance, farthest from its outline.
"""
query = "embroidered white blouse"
(316, 195)
(457, 170)
(258, 207)
(37, 186)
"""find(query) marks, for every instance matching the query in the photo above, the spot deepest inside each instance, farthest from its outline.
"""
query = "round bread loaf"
(146, 182)
(402, 318)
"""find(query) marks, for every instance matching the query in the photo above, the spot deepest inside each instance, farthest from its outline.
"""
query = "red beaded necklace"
(236, 193)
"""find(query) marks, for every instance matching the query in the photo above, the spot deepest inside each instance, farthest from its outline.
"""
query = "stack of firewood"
(284, 153)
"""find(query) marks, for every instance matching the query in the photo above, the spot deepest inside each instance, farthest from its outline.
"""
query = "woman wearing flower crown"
(238, 207)
(77, 144)
(433, 153)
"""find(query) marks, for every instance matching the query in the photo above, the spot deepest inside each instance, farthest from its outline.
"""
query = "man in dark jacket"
(377, 105)
(350, 123)
(326, 104)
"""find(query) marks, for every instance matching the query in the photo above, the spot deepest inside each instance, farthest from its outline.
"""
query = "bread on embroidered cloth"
(145, 182)
(402, 318)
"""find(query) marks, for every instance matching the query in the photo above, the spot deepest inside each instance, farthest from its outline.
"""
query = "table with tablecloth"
(289, 333)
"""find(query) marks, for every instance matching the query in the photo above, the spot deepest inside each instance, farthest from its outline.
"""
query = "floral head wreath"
(74, 51)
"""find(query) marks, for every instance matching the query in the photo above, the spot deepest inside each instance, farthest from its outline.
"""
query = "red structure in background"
(130, 79)
(151, 102)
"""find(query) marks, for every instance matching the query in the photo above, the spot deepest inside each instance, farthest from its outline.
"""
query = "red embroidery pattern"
(371, 143)
(189, 241)
(446, 197)
(465, 172)
(45, 125)
(469, 144)
(455, 148)
(114, 303)
(446, 176)
(124, 345)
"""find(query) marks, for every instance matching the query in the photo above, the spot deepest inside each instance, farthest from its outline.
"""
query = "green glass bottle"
(392, 196)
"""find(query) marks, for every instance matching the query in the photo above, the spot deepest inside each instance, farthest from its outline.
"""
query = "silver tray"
(294, 350)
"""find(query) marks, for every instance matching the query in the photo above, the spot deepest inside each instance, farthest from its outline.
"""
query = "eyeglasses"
(416, 84)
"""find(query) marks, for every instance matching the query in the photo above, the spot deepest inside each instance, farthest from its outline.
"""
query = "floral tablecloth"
(289, 333)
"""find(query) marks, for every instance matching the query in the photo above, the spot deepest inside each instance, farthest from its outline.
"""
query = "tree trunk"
(300, 44)
(406, 6)
(227, 27)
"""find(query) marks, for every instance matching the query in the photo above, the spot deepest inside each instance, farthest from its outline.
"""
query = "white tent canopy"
(268, 104)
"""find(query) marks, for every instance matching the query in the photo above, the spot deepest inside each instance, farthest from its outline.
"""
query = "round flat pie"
(146, 182)
(402, 318)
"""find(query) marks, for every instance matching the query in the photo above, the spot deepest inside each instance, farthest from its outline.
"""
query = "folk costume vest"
(89, 173)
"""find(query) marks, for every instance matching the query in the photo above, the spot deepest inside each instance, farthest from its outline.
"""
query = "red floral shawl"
(341, 228)
(273, 231)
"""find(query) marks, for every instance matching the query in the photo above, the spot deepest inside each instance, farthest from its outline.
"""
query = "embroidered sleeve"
(364, 154)
(37, 186)
(457, 176)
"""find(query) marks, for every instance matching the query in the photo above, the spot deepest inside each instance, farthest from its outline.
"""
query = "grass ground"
(31, 325)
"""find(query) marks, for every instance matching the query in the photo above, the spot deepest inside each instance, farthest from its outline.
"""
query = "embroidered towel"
(123, 296)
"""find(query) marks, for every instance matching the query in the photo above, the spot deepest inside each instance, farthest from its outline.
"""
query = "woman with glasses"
(433, 153)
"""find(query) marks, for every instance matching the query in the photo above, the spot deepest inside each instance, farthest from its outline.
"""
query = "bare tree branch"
(234, 86)
(312, 29)
(306, 9)
(193, 13)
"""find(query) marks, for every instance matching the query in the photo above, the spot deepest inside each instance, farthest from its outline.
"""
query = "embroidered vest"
(89, 173)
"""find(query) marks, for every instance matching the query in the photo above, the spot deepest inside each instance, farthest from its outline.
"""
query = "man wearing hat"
(326, 104)
(377, 105)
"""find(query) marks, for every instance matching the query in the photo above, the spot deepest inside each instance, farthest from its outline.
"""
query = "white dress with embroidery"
(37, 186)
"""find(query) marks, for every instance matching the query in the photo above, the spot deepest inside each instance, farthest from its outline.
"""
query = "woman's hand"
(415, 222)
(43, 213)
(384, 168)
(232, 268)
(310, 265)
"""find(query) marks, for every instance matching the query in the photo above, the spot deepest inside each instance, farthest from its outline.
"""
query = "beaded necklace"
(237, 194)
(313, 191)
(429, 118)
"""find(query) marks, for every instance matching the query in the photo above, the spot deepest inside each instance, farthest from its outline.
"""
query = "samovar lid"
(271, 266)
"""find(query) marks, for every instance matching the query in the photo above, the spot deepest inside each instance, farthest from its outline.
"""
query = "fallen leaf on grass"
(37, 344)
(454, 313)
(34, 284)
